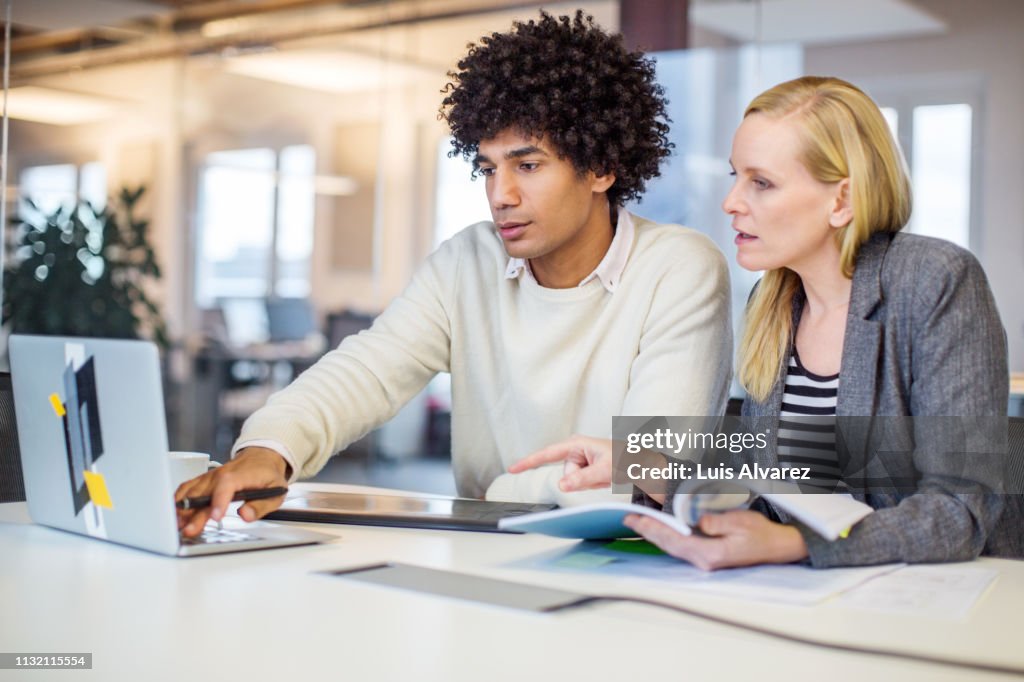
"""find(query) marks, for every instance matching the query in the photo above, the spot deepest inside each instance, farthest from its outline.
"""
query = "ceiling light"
(57, 107)
(224, 27)
(327, 71)
(814, 22)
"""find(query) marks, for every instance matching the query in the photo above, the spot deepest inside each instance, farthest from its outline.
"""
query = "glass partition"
(297, 153)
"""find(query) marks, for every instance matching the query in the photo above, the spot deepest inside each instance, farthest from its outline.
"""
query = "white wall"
(985, 46)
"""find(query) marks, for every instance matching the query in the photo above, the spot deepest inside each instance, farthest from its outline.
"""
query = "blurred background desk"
(247, 349)
(250, 348)
(230, 383)
(272, 615)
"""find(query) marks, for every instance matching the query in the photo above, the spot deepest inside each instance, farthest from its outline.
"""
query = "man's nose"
(503, 191)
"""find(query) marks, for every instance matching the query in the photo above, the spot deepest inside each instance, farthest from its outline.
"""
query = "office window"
(53, 186)
(937, 129)
(942, 172)
(892, 117)
(460, 200)
(294, 243)
(255, 223)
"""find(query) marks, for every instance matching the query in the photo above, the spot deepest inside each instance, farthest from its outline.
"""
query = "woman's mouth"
(744, 238)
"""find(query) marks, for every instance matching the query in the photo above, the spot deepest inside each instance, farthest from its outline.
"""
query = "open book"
(829, 515)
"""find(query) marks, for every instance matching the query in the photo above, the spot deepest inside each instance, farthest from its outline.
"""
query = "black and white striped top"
(807, 425)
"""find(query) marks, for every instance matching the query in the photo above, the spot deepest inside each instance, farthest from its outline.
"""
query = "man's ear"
(842, 207)
(602, 183)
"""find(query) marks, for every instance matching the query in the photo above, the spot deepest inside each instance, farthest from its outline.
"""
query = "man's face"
(544, 210)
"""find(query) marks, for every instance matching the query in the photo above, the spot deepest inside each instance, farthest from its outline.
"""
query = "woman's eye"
(732, 174)
(761, 183)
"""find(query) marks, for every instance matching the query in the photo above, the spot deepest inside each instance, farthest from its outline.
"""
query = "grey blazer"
(923, 338)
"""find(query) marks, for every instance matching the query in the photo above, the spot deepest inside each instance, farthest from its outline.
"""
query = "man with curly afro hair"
(597, 105)
(562, 312)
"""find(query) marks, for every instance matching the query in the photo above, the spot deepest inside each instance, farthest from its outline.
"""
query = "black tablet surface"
(412, 511)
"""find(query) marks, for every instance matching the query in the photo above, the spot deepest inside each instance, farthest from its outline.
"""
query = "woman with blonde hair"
(852, 317)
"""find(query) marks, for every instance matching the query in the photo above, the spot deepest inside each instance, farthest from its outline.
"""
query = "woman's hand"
(734, 538)
(588, 462)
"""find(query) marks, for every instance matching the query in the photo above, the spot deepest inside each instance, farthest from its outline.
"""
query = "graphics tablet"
(417, 511)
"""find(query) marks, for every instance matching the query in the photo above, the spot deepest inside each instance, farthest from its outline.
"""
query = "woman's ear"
(602, 183)
(842, 207)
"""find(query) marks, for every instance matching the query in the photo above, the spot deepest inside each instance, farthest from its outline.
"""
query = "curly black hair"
(564, 78)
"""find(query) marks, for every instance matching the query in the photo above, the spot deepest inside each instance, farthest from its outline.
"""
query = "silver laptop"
(90, 416)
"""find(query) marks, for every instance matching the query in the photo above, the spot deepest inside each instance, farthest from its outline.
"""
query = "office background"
(296, 172)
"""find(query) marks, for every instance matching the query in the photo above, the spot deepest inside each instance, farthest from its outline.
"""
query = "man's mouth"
(512, 229)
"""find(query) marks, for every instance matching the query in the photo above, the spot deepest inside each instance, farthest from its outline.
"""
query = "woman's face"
(783, 215)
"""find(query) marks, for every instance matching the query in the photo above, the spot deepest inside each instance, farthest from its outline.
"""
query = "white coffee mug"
(187, 465)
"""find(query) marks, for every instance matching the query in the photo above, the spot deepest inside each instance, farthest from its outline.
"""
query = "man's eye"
(486, 172)
(529, 166)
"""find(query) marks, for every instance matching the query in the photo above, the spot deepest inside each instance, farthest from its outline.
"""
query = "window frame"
(199, 165)
(906, 92)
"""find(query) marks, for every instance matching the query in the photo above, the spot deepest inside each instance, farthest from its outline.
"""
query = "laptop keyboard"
(213, 535)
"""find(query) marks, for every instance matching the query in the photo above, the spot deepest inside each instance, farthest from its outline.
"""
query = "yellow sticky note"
(846, 533)
(58, 406)
(98, 490)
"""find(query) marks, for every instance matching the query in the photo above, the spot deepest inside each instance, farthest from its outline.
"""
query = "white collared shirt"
(609, 270)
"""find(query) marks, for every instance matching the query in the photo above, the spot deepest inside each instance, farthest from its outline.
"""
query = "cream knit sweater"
(529, 365)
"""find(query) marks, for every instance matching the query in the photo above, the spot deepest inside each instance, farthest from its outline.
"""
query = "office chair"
(345, 323)
(734, 407)
(12, 484)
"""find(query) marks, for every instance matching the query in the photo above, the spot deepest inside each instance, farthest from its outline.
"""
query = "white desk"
(267, 616)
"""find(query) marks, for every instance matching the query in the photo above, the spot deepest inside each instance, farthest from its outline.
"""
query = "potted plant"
(82, 272)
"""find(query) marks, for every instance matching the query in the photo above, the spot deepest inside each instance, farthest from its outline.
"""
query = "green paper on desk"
(633, 547)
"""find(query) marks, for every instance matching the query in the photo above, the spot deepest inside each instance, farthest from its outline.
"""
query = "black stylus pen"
(242, 495)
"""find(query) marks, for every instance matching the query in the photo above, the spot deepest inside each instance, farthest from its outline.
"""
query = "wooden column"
(655, 25)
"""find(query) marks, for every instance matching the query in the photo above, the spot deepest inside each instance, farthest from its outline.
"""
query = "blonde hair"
(843, 135)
